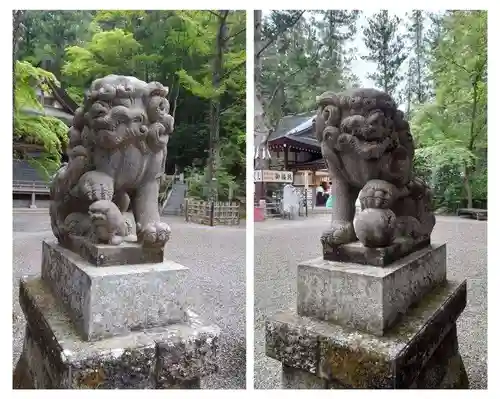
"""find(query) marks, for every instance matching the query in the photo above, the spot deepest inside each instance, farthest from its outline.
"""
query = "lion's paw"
(154, 234)
(340, 233)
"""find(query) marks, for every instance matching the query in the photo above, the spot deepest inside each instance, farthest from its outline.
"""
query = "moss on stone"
(358, 368)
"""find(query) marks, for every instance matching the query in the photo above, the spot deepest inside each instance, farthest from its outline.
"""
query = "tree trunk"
(474, 112)
(17, 30)
(384, 59)
(18, 17)
(408, 95)
(467, 187)
(472, 136)
(177, 86)
(215, 103)
(261, 128)
(419, 53)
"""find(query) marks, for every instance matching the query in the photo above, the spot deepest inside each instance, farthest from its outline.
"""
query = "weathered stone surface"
(356, 252)
(362, 360)
(178, 384)
(114, 300)
(364, 297)
(293, 378)
(127, 253)
(456, 375)
(295, 346)
(54, 350)
(186, 357)
(21, 378)
(445, 362)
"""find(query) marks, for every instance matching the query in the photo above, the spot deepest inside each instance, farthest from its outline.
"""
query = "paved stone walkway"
(280, 245)
(216, 257)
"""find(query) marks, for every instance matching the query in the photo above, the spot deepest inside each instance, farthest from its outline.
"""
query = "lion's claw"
(154, 234)
(340, 233)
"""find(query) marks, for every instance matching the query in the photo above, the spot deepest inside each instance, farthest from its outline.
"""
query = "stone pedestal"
(363, 326)
(119, 326)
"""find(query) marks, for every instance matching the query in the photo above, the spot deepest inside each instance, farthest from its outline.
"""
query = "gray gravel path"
(216, 257)
(280, 245)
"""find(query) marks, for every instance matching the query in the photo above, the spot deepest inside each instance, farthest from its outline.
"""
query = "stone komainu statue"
(368, 148)
(117, 152)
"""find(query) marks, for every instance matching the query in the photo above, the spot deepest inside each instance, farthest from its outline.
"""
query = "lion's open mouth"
(366, 149)
(97, 217)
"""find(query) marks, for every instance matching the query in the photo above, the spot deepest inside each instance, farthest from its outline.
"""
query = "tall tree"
(48, 33)
(266, 35)
(417, 68)
(386, 50)
(310, 57)
(452, 131)
(336, 29)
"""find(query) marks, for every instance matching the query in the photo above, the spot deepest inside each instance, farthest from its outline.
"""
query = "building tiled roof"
(51, 111)
(22, 170)
(296, 130)
(289, 123)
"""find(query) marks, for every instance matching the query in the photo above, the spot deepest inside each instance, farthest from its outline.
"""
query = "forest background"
(199, 55)
(433, 64)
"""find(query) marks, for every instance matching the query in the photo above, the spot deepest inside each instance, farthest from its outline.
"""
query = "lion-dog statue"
(368, 149)
(117, 152)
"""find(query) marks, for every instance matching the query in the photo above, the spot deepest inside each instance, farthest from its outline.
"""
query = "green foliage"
(32, 128)
(176, 48)
(48, 33)
(165, 186)
(451, 132)
(111, 52)
(225, 183)
(76, 93)
(386, 49)
(418, 79)
(306, 53)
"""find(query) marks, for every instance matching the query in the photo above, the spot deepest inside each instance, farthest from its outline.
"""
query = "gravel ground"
(280, 245)
(216, 257)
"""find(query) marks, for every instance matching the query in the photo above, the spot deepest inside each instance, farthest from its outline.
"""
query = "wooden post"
(186, 204)
(285, 149)
(313, 193)
(305, 194)
(305, 173)
(33, 205)
(212, 205)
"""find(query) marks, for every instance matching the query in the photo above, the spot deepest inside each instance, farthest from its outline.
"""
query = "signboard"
(273, 176)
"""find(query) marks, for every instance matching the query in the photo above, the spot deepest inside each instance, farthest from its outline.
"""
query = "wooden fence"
(212, 213)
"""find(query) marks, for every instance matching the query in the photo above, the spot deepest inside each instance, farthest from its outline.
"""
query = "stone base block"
(55, 357)
(127, 253)
(356, 252)
(113, 300)
(292, 378)
(420, 352)
(368, 298)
